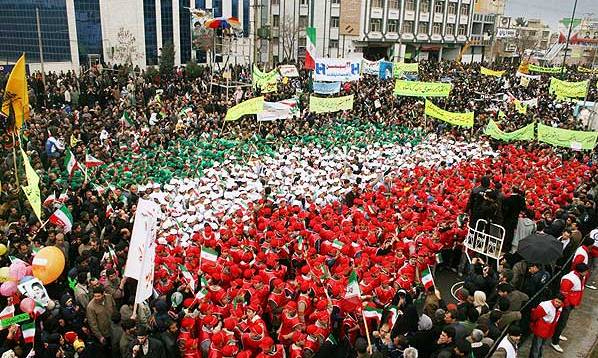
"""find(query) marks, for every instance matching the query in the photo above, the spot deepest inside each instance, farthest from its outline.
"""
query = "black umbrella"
(540, 248)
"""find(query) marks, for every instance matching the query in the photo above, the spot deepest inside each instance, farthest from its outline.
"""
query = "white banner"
(142, 249)
(288, 71)
(278, 110)
(502, 33)
(370, 67)
(337, 69)
(531, 77)
(530, 102)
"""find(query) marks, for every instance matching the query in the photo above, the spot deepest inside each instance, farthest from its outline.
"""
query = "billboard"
(350, 17)
(583, 31)
(201, 38)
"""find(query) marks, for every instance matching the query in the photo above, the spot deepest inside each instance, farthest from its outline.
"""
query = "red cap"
(266, 343)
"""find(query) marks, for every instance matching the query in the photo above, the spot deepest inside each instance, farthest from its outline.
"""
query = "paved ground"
(581, 331)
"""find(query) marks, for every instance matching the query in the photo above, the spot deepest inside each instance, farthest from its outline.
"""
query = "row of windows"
(409, 26)
(424, 6)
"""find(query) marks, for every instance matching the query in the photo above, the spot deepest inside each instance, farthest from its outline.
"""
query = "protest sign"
(334, 104)
(288, 71)
(14, 320)
(251, 106)
(577, 140)
(488, 72)
(542, 69)
(327, 87)
(385, 70)
(370, 67)
(568, 89)
(525, 133)
(266, 81)
(422, 89)
(457, 119)
(337, 69)
(401, 68)
(278, 110)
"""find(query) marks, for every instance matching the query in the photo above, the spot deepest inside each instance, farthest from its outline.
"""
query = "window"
(274, 2)
(302, 42)
(333, 44)
(410, 5)
(408, 26)
(375, 25)
(302, 21)
(275, 20)
(450, 29)
(394, 4)
(275, 42)
(334, 22)
(439, 6)
(376, 3)
(304, 2)
(464, 9)
(393, 26)
(437, 28)
(422, 28)
(424, 6)
(452, 8)
(335, 2)
(462, 30)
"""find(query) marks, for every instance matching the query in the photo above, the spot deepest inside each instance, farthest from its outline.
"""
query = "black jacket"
(155, 350)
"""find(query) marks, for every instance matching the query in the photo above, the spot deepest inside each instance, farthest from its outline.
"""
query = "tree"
(126, 50)
(166, 60)
(289, 36)
(193, 70)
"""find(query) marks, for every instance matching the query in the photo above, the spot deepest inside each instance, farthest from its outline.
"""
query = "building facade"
(78, 33)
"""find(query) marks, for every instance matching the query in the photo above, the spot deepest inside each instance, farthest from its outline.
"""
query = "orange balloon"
(48, 264)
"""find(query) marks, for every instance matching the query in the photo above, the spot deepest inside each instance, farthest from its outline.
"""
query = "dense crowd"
(292, 208)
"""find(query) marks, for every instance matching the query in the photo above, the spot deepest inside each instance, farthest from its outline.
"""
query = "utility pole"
(41, 48)
(568, 37)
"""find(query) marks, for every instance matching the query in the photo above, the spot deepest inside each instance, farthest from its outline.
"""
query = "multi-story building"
(76, 32)
(485, 20)
(531, 40)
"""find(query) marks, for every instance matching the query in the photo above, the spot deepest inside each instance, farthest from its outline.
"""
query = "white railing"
(485, 239)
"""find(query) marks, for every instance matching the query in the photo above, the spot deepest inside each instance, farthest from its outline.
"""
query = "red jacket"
(544, 319)
(572, 288)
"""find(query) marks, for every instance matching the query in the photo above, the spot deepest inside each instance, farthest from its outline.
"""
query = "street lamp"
(568, 37)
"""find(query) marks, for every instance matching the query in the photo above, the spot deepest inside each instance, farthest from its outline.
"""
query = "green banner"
(525, 133)
(568, 89)
(422, 89)
(14, 320)
(330, 104)
(587, 70)
(400, 67)
(251, 106)
(457, 119)
(567, 138)
(541, 69)
(266, 81)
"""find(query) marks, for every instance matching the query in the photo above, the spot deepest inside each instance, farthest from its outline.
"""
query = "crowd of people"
(293, 209)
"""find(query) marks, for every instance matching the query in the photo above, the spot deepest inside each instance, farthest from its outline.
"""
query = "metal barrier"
(528, 305)
(486, 239)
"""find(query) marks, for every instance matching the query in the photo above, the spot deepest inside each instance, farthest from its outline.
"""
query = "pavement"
(581, 330)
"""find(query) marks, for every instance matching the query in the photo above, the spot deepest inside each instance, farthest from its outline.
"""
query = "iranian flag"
(126, 119)
(395, 313)
(188, 277)
(70, 163)
(209, 254)
(39, 309)
(62, 217)
(63, 197)
(91, 161)
(7, 312)
(310, 50)
(28, 332)
(353, 292)
(109, 210)
(49, 200)
(100, 189)
(337, 244)
(427, 279)
(372, 312)
(203, 292)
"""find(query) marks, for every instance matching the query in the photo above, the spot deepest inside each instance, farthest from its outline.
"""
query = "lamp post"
(568, 37)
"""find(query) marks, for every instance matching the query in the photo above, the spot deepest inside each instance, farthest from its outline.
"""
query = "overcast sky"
(551, 11)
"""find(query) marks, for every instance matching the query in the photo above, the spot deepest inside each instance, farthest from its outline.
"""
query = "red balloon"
(27, 305)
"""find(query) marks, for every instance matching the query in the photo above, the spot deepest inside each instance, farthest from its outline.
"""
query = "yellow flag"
(74, 141)
(32, 188)
(16, 95)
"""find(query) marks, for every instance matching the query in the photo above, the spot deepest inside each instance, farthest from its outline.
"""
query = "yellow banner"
(251, 106)
(16, 95)
(568, 89)
(266, 81)
(331, 104)
(422, 89)
(577, 140)
(400, 67)
(32, 188)
(520, 107)
(488, 72)
(541, 69)
(456, 119)
(587, 70)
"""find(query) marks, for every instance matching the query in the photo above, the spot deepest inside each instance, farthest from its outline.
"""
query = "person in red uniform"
(572, 286)
(290, 323)
(269, 349)
(384, 293)
(543, 321)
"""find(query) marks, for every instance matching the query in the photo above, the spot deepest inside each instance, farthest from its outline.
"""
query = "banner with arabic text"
(337, 69)
(266, 81)
(288, 71)
(525, 133)
(422, 89)
(251, 106)
(456, 119)
(587, 70)
(577, 140)
(327, 87)
(542, 69)
(488, 72)
(401, 68)
(333, 104)
(568, 89)
(284, 109)
(370, 67)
